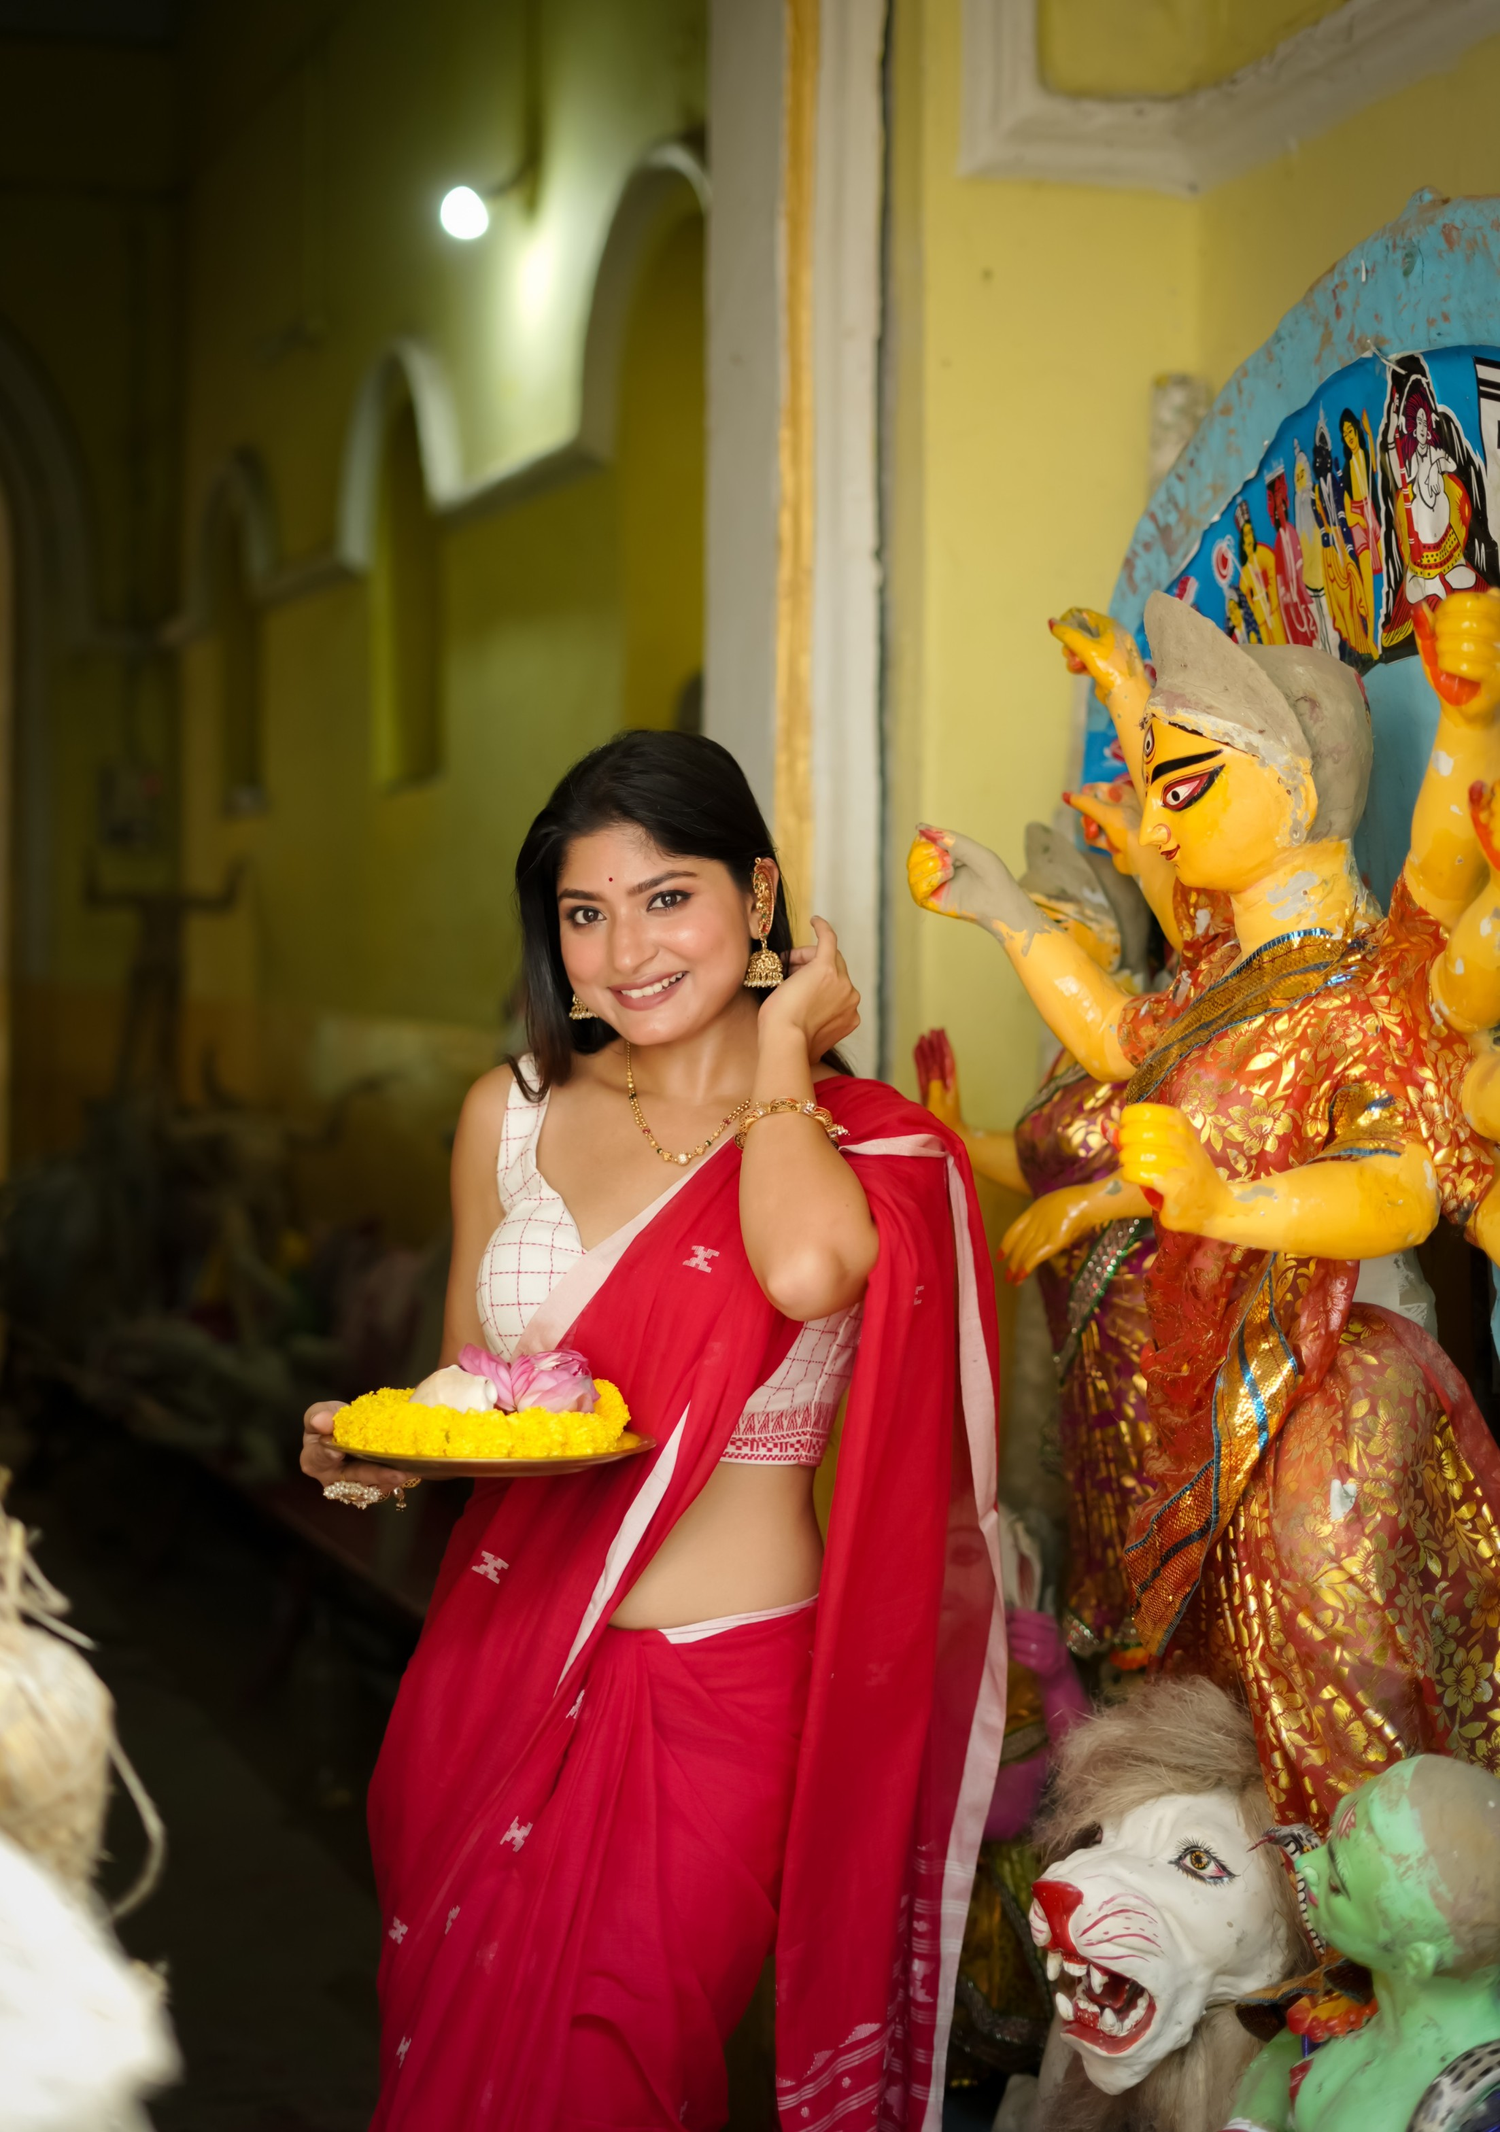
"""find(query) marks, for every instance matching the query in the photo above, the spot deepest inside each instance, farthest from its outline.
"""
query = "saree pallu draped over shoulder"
(528, 1734)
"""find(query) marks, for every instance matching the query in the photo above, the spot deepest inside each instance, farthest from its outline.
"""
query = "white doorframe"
(747, 366)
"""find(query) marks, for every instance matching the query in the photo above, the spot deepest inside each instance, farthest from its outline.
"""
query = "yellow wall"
(1266, 237)
(313, 219)
(89, 307)
(1041, 314)
(279, 234)
(1029, 321)
(1161, 47)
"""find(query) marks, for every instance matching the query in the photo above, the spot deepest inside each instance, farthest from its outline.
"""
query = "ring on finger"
(357, 1494)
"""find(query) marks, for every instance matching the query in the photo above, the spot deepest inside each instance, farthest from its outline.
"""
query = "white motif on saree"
(489, 1566)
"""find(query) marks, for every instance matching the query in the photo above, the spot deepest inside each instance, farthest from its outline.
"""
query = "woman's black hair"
(693, 800)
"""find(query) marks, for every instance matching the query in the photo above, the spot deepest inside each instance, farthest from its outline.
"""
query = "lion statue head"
(1161, 1907)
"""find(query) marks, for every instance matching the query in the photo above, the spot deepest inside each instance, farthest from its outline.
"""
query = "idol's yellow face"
(1220, 816)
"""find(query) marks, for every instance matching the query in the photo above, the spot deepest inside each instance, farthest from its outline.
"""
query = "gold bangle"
(790, 1104)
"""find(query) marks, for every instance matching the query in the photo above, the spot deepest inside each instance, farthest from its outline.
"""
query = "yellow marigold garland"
(386, 1421)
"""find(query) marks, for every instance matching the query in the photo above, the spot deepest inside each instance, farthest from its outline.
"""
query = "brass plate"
(506, 1469)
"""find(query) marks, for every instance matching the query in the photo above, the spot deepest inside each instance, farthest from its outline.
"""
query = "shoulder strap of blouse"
(519, 1128)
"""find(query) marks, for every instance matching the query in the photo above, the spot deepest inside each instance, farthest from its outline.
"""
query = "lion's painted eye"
(1200, 1863)
(1185, 792)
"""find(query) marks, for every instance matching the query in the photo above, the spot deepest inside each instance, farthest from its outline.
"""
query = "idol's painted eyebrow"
(1183, 762)
(641, 888)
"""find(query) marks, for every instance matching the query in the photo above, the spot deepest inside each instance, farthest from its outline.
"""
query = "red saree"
(534, 1926)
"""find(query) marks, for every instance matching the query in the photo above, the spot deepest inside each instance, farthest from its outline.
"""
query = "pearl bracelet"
(790, 1104)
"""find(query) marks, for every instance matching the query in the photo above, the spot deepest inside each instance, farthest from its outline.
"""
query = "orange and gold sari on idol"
(1321, 1518)
(1094, 1294)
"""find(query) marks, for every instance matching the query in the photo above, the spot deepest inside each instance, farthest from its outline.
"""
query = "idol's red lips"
(654, 999)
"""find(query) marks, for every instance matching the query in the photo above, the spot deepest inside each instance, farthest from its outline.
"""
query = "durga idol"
(1320, 1515)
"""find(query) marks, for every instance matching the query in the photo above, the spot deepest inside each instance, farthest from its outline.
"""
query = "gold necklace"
(656, 1147)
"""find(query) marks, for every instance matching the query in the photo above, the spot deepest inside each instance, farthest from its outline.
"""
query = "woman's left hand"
(818, 999)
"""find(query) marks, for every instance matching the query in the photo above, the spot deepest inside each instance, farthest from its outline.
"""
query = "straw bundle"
(57, 1734)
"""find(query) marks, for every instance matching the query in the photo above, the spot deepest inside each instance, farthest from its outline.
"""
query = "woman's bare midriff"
(750, 1542)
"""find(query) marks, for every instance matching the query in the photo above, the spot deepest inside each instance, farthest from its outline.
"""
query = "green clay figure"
(1408, 1884)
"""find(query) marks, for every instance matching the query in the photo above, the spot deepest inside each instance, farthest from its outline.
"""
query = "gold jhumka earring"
(578, 1012)
(765, 969)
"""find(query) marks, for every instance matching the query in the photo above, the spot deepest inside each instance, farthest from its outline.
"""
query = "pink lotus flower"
(560, 1380)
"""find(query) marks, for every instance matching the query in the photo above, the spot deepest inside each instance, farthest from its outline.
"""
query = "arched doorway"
(659, 439)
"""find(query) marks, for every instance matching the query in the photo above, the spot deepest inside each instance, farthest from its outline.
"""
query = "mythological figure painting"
(1437, 526)
(1381, 493)
(1298, 618)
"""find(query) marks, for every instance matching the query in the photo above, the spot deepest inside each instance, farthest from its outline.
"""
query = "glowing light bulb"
(463, 214)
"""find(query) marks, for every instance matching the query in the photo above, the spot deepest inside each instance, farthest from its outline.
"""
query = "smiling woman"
(644, 1710)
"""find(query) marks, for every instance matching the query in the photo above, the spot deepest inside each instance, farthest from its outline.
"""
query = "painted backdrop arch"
(1410, 315)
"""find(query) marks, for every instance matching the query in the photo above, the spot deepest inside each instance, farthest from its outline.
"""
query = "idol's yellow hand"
(1484, 812)
(937, 1078)
(1484, 1228)
(993, 1155)
(1120, 822)
(1460, 647)
(929, 869)
(1161, 1152)
(958, 877)
(1096, 645)
(1481, 1090)
(1465, 978)
(1048, 1226)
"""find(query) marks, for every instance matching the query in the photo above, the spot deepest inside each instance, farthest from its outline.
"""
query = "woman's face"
(1221, 817)
(653, 943)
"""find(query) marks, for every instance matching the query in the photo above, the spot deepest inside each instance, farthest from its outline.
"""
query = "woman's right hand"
(817, 999)
(323, 1461)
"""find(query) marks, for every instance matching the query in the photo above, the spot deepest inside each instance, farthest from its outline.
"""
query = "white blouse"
(787, 1419)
